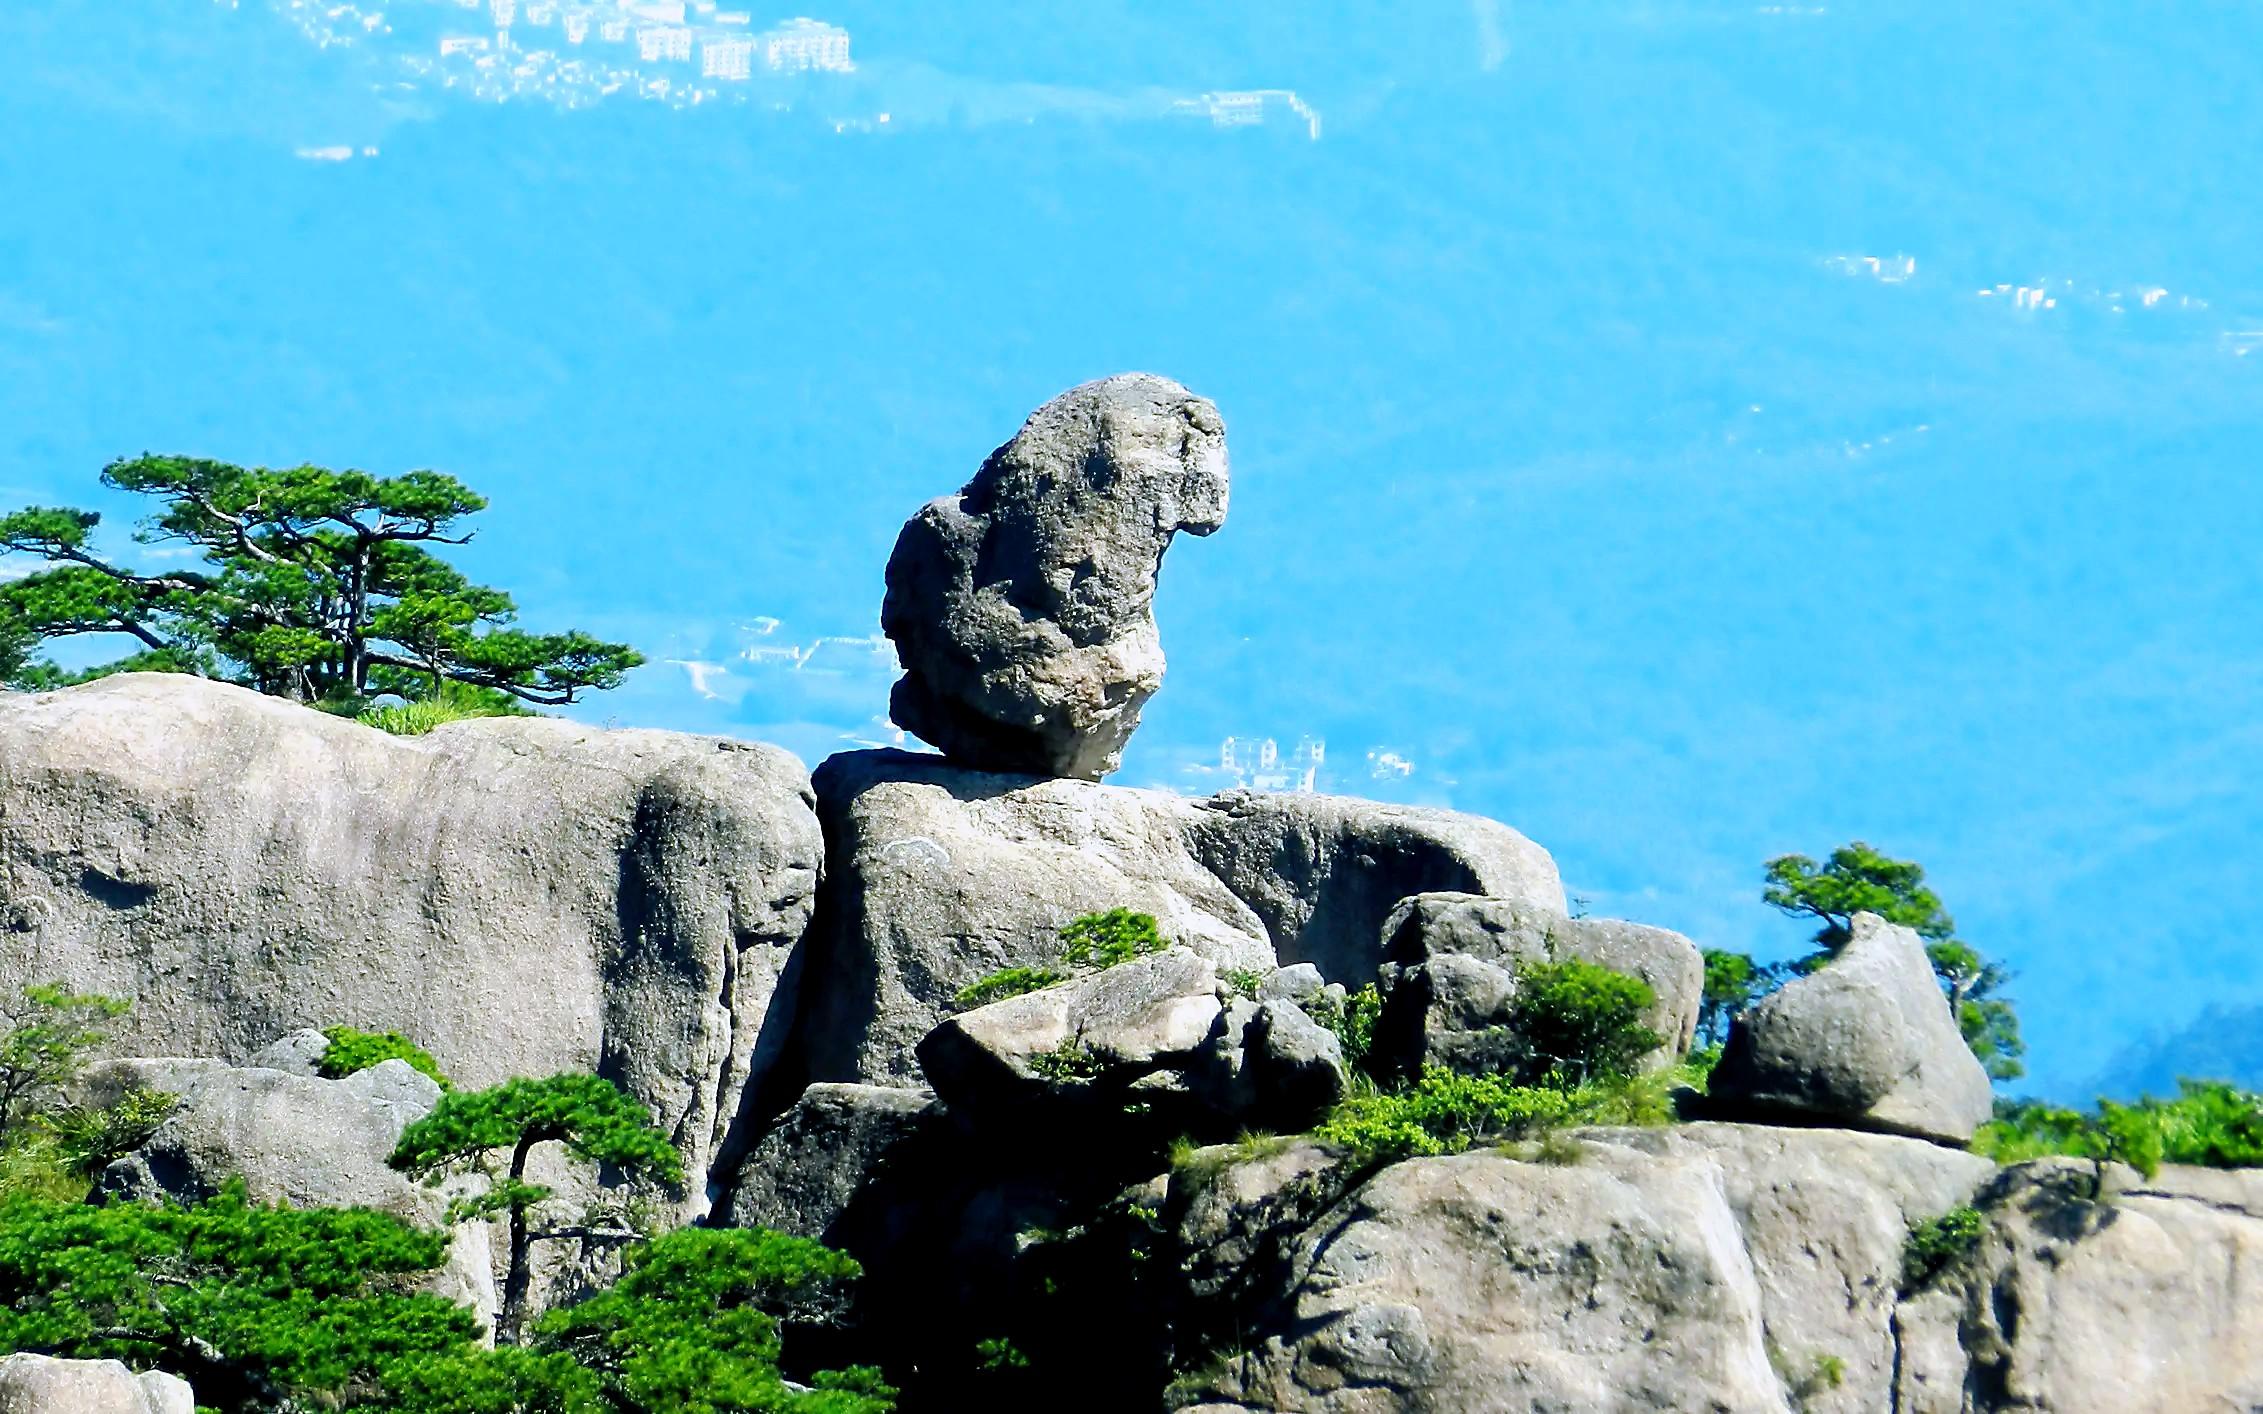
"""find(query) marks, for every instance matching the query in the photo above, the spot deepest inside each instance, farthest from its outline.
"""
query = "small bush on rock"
(1577, 1022)
(1443, 1113)
(1007, 982)
(1936, 1242)
(1353, 1021)
(350, 1051)
(1092, 943)
(1103, 940)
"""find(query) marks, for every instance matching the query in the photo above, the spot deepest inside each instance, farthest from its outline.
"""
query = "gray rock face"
(1479, 1284)
(1324, 873)
(1154, 1029)
(519, 896)
(2144, 1302)
(293, 1139)
(1022, 608)
(1449, 976)
(1823, 1215)
(1867, 1042)
(41, 1384)
(937, 877)
(803, 1174)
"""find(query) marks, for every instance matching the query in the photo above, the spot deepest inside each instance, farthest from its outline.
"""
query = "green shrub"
(1004, 983)
(1104, 940)
(1577, 1022)
(1243, 981)
(1936, 1242)
(2209, 1123)
(1071, 1060)
(1353, 1021)
(267, 1308)
(1443, 1113)
(350, 1050)
(49, 1033)
(255, 1305)
(454, 702)
(86, 1140)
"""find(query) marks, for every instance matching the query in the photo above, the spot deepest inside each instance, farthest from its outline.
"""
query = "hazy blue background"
(1583, 462)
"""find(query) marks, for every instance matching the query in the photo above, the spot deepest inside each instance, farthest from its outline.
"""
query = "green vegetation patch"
(351, 1050)
(1936, 1242)
(1004, 983)
(2209, 1123)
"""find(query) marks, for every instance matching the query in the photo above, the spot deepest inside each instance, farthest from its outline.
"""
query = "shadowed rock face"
(1022, 608)
(521, 896)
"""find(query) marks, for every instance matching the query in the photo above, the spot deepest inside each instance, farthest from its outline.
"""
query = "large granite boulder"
(1450, 984)
(1022, 608)
(938, 876)
(2095, 1291)
(295, 1139)
(42, 1384)
(1481, 1283)
(1867, 1042)
(519, 896)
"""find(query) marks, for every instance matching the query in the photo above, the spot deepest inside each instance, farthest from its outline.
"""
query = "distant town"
(683, 53)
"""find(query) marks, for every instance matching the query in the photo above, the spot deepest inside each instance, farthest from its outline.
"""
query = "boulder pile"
(803, 977)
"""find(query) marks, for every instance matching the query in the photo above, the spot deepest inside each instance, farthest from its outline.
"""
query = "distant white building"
(657, 42)
(802, 45)
(1249, 108)
(731, 58)
(1253, 763)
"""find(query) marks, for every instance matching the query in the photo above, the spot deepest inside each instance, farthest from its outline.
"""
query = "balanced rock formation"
(938, 876)
(41, 1384)
(295, 1139)
(521, 896)
(1867, 1041)
(1449, 977)
(1022, 608)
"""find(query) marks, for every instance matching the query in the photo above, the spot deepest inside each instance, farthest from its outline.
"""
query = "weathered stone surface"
(1232, 1210)
(1449, 976)
(41, 1384)
(1823, 1215)
(1022, 608)
(1157, 1030)
(1868, 1042)
(2143, 1303)
(518, 896)
(1146, 1021)
(1324, 873)
(937, 877)
(803, 1174)
(1480, 1283)
(292, 1139)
